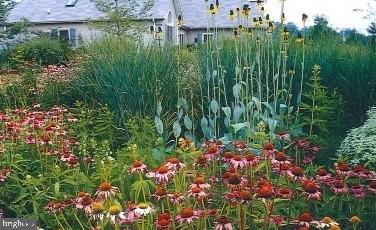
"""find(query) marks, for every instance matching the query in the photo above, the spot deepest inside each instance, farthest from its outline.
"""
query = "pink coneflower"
(130, 213)
(176, 198)
(358, 191)
(174, 164)
(372, 187)
(283, 136)
(301, 143)
(311, 190)
(265, 190)
(213, 150)
(305, 219)
(187, 215)
(223, 223)
(268, 150)
(163, 221)
(238, 161)
(343, 169)
(162, 175)
(285, 193)
(199, 181)
(251, 159)
(277, 220)
(240, 146)
(235, 181)
(73, 161)
(227, 157)
(84, 201)
(45, 139)
(338, 186)
(54, 207)
(138, 167)
(361, 172)
(323, 176)
(106, 191)
(283, 169)
(30, 140)
(4, 174)
(201, 161)
(280, 158)
(160, 193)
(297, 173)
(197, 193)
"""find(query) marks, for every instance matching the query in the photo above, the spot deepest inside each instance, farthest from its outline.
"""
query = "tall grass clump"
(131, 78)
(350, 68)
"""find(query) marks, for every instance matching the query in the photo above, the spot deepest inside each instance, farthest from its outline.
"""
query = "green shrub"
(360, 144)
(43, 50)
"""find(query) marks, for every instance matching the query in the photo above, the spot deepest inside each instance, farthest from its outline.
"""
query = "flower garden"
(243, 133)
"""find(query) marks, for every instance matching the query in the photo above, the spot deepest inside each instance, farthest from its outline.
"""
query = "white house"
(70, 18)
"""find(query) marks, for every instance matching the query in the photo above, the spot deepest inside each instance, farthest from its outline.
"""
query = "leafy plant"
(359, 146)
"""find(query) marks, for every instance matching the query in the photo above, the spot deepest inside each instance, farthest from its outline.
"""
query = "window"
(70, 3)
(64, 35)
(181, 39)
(169, 33)
(207, 37)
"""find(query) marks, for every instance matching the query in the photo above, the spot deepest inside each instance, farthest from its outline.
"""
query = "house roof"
(196, 13)
(55, 11)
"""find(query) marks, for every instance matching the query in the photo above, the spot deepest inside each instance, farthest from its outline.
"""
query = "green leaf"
(57, 188)
(158, 124)
(177, 129)
(188, 122)
(214, 106)
(237, 127)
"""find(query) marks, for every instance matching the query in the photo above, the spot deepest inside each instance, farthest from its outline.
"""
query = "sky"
(340, 13)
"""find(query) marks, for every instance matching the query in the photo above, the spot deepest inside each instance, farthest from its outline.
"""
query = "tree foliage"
(5, 6)
(122, 16)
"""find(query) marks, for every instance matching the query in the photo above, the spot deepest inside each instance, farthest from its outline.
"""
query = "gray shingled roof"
(196, 13)
(50, 11)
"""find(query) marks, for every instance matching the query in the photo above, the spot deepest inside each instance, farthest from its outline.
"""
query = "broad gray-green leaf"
(188, 122)
(159, 109)
(227, 111)
(257, 102)
(204, 122)
(227, 121)
(177, 129)
(236, 90)
(237, 113)
(238, 126)
(214, 106)
(158, 124)
(182, 103)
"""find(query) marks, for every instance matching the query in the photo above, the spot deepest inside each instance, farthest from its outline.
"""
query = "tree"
(121, 16)
(5, 6)
(372, 31)
(321, 27)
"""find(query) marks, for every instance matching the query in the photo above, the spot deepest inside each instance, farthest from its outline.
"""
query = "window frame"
(210, 36)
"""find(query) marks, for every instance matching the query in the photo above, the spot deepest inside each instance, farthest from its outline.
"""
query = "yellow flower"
(300, 38)
(334, 227)
(355, 220)
(114, 210)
